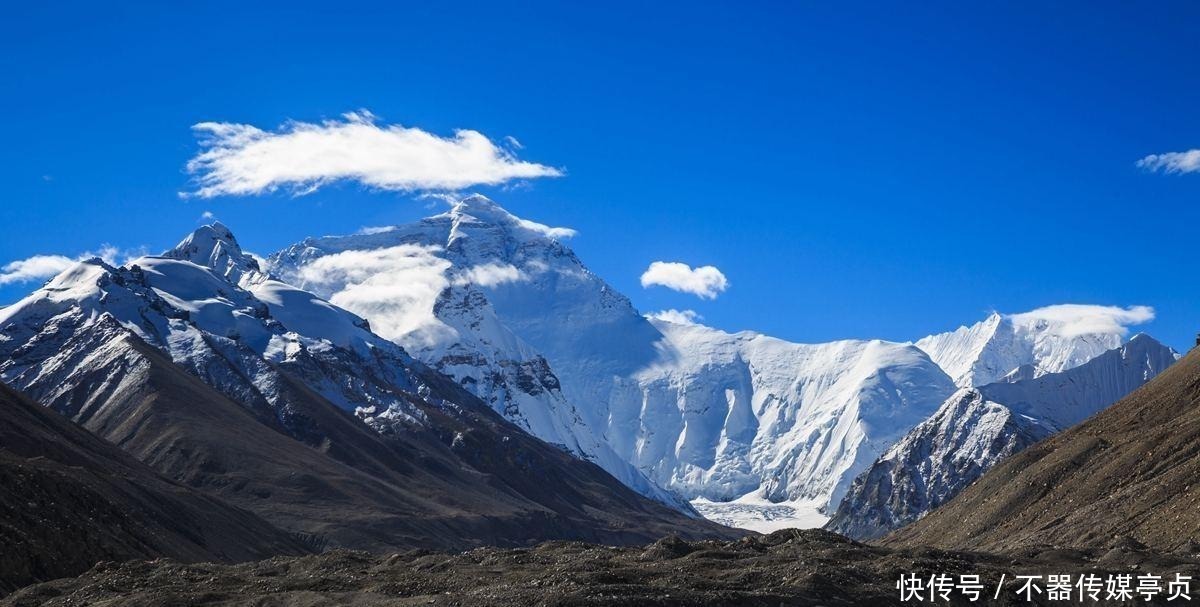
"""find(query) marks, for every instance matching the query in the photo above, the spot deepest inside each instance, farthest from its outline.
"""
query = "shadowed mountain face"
(229, 381)
(1129, 471)
(69, 499)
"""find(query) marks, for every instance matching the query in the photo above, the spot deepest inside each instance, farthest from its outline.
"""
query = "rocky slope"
(791, 567)
(1129, 471)
(228, 380)
(977, 428)
(500, 304)
(69, 499)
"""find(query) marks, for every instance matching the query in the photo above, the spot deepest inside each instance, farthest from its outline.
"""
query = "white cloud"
(44, 267)
(38, 267)
(240, 159)
(1172, 162)
(679, 317)
(394, 287)
(114, 256)
(368, 230)
(490, 274)
(705, 282)
(205, 216)
(1071, 320)
(557, 233)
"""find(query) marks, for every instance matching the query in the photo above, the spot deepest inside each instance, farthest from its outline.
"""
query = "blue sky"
(861, 170)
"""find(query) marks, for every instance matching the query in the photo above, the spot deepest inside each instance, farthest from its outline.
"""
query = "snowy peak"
(1009, 347)
(977, 354)
(190, 304)
(482, 209)
(476, 212)
(214, 246)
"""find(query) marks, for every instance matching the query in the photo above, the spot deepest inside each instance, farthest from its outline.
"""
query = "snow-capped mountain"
(978, 427)
(994, 347)
(501, 305)
(347, 435)
(230, 335)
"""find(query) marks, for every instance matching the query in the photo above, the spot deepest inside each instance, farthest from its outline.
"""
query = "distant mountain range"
(465, 380)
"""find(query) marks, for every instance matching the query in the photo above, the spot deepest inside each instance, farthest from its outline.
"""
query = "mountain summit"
(213, 246)
(991, 349)
(743, 425)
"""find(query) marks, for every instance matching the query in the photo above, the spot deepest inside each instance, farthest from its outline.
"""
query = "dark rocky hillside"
(69, 499)
(475, 479)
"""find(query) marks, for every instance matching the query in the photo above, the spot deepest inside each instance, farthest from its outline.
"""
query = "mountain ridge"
(337, 432)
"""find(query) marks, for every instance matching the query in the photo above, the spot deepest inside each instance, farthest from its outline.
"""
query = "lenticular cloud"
(1073, 320)
(241, 159)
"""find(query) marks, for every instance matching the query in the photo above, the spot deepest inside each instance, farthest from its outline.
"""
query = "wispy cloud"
(1071, 320)
(490, 274)
(679, 317)
(552, 232)
(43, 267)
(241, 159)
(368, 230)
(705, 282)
(1172, 162)
(38, 267)
(395, 287)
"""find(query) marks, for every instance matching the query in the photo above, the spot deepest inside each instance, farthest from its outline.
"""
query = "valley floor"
(787, 567)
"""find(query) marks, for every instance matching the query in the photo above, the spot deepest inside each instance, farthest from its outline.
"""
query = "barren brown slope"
(476, 480)
(791, 567)
(1131, 470)
(69, 499)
